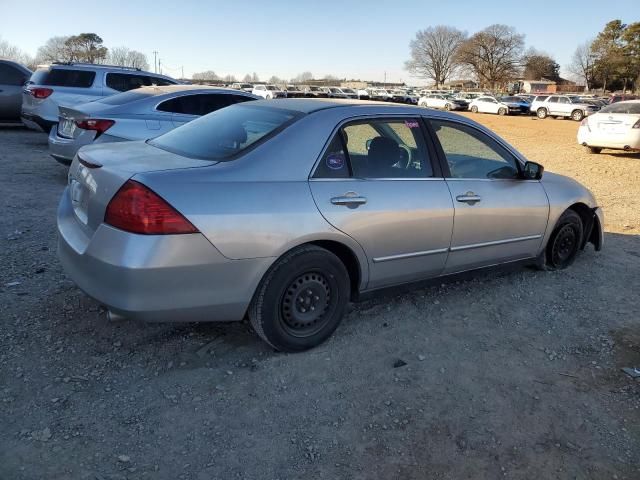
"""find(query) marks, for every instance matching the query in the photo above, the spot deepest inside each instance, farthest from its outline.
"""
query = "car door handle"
(349, 199)
(469, 197)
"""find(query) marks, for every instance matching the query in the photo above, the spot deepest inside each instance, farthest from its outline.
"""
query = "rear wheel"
(541, 113)
(594, 150)
(502, 111)
(564, 243)
(447, 106)
(301, 300)
(474, 109)
(577, 115)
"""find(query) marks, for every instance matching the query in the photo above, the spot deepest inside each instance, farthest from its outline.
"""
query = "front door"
(499, 217)
(376, 183)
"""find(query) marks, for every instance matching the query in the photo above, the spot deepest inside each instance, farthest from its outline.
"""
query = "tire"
(577, 115)
(502, 111)
(474, 109)
(541, 113)
(282, 310)
(447, 107)
(594, 150)
(564, 243)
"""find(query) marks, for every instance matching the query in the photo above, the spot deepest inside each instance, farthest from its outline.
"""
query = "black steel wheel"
(565, 241)
(301, 299)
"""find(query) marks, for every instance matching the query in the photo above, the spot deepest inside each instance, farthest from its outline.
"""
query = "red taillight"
(39, 92)
(137, 209)
(96, 124)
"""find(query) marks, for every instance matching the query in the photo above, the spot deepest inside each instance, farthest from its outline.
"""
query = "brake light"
(39, 92)
(96, 124)
(636, 125)
(136, 208)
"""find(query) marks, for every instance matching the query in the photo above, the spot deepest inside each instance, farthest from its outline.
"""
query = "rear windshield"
(126, 97)
(224, 133)
(62, 77)
(622, 107)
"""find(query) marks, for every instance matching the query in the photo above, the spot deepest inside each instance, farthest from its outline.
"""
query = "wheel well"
(586, 215)
(348, 258)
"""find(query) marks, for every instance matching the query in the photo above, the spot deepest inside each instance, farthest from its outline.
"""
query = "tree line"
(496, 56)
(84, 47)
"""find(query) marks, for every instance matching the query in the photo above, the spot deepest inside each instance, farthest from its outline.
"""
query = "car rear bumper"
(156, 278)
(595, 138)
(64, 149)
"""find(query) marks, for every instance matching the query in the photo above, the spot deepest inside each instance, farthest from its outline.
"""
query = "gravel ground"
(508, 375)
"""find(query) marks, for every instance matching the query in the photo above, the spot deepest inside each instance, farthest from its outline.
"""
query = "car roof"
(310, 105)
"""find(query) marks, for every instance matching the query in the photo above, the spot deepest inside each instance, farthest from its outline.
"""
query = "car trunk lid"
(99, 171)
(615, 123)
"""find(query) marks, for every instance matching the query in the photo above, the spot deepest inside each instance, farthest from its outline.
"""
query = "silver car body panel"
(253, 209)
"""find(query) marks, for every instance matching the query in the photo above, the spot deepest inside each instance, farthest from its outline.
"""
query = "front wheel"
(447, 106)
(594, 150)
(541, 113)
(564, 243)
(474, 109)
(502, 111)
(301, 300)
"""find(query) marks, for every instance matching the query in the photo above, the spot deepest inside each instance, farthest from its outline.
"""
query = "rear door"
(376, 183)
(553, 105)
(499, 217)
(11, 81)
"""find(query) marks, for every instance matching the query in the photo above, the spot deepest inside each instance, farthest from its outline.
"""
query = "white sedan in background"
(269, 92)
(616, 126)
(442, 101)
(491, 105)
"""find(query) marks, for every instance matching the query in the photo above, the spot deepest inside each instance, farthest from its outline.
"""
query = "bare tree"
(126, 57)
(207, 75)
(275, 80)
(54, 50)
(582, 63)
(230, 78)
(255, 77)
(247, 78)
(302, 77)
(433, 53)
(494, 54)
(11, 52)
(539, 64)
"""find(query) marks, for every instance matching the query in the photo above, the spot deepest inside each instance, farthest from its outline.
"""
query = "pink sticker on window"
(412, 124)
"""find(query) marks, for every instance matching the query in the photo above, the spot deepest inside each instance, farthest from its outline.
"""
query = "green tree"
(631, 52)
(538, 65)
(608, 53)
(86, 47)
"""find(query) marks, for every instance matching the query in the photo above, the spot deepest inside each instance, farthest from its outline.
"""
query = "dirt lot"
(511, 375)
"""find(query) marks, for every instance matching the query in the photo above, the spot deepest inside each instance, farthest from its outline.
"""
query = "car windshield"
(575, 99)
(224, 133)
(271, 87)
(246, 85)
(347, 90)
(511, 99)
(314, 89)
(335, 90)
(127, 97)
(622, 107)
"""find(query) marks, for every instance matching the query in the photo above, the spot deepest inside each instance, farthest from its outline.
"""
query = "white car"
(269, 91)
(442, 102)
(616, 126)
(562, 106)
(491, 105)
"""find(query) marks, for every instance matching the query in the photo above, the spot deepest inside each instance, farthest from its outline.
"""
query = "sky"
(366, 40)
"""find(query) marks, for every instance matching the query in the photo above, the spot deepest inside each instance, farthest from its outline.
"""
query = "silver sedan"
(135, 115)
(285, 211)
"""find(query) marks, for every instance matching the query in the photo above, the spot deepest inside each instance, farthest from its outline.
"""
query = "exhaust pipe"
(114, 317)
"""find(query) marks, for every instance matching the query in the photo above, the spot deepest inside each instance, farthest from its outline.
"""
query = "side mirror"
(532, 171)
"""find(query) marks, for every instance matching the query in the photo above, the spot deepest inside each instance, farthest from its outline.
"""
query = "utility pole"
(385, 79)
(182, 69)
(159, 66)
(155, 61)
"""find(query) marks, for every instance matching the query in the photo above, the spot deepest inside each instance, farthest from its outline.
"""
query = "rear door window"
(124, 82)
(199, 104)
(64, 77)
